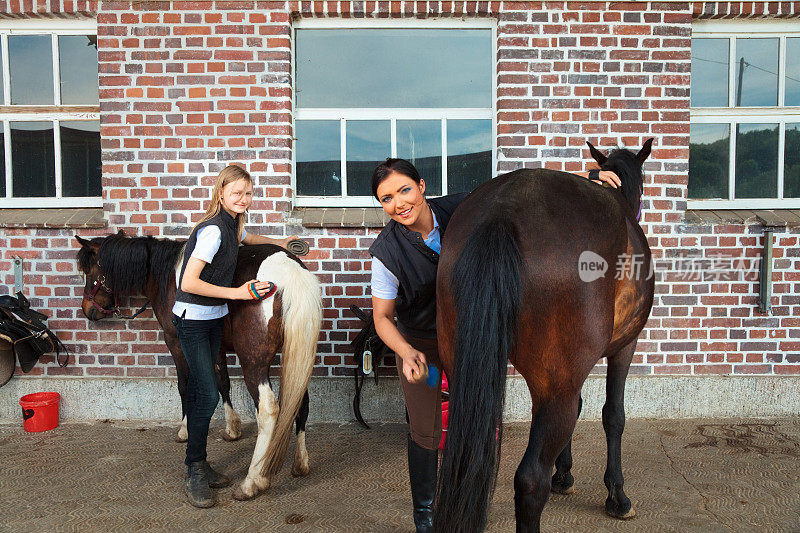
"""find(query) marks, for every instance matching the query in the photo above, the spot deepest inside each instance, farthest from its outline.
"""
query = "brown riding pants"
(423, 403)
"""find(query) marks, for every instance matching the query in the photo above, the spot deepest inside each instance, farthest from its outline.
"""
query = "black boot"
(215, 479)
(197, 489)
(422, 465)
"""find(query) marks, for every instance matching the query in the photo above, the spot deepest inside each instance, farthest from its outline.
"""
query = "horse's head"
(99, 301)
(628, 166)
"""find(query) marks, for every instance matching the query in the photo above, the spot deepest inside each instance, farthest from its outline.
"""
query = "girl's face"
(237, 197)
(402, 198)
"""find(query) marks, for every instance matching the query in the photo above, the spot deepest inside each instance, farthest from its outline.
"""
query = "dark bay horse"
(548, 271)
(286, 322)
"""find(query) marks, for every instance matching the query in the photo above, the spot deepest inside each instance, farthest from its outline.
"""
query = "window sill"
(784, 218)
(53, 218)
(341, 217)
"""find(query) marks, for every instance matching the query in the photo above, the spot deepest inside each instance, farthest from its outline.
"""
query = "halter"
(100, 284)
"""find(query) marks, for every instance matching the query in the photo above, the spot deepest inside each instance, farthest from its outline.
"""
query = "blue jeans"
(200, 341)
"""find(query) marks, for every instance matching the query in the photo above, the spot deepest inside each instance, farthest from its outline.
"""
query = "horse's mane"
(625, 165)
(128, 262)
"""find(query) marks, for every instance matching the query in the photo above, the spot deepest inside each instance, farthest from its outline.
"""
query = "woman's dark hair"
(401, 166)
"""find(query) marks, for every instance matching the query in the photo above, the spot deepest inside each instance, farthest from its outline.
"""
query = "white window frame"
(54, 28)
(390, 114)
(731, 115)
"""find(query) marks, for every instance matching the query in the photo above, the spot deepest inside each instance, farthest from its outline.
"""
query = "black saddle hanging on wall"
(24, 330)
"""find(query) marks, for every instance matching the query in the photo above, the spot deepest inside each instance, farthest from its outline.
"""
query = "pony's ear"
(644, 153)
(82, 241)
(600, 158)
(121, 233)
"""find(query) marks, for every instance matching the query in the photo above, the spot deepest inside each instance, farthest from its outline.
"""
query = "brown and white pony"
(286, 322)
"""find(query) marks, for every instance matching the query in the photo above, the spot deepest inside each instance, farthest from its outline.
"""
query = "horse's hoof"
(626, 516)
(563, 484)
(620, 508)
(181, 436)
(300, 470)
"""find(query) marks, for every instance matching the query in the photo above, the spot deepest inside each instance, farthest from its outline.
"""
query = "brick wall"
(188, 87)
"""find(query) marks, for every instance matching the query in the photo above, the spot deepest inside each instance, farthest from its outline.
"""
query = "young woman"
(200, 304)
(404, 262)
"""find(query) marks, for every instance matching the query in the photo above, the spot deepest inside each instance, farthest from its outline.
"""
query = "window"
(744, 140)
(418, 90)
(49, 114)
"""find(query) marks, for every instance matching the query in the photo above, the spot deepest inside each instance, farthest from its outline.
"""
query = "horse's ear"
(121, 233)
(82, 241)
(644, 153)
(600, 158)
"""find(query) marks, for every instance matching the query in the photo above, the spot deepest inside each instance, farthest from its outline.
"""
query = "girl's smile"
(237, 196)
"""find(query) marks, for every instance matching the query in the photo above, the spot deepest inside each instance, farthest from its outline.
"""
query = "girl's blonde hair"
(228, 175)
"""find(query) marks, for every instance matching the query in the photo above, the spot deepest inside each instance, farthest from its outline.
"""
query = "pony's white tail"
(302, 318)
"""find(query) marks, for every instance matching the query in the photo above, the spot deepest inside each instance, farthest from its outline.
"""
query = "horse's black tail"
(487, 292)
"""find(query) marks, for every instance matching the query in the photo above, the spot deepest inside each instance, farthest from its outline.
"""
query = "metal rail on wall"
(765, 275)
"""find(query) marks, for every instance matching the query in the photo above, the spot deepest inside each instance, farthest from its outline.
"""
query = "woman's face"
(402, 198)
(237, 196)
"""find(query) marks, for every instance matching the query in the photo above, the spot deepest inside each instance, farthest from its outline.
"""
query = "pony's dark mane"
(128, 262)
(625, 165)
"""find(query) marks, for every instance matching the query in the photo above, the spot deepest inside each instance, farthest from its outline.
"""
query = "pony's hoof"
(300, 470)
(182, 435)
(240, 495)
(230, 435)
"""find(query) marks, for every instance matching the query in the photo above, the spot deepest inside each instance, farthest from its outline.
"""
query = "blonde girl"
(204, 286)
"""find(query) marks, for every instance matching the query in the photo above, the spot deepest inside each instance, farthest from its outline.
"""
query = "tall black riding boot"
(422, 465)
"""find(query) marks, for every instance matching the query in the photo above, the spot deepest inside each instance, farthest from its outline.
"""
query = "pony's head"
(628, 166)
(99, 300)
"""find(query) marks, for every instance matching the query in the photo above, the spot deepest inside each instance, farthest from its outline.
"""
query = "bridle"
(100, 285)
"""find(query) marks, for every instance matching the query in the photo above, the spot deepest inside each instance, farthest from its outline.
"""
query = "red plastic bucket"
(40, 411)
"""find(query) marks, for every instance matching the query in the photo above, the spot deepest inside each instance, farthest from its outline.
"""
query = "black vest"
(407, 256)
(220, 270)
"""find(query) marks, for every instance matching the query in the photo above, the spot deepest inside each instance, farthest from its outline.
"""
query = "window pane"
(709, 146)
(420, 141)
(77, 58)
(368, 145)
(709, 80)
(793, 71)
(394, 68)
(318, 157)
(756, 72)
(756, 161)
(469, 154)
(31, 64)
(791, 162)
(33, 159)
(81, 167)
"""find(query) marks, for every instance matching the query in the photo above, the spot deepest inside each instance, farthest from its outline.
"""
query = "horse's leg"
(551, 428)
(256, 368)
(563, 482)
(233, 425)
(617, 504)
(300, 463)
(183, 380)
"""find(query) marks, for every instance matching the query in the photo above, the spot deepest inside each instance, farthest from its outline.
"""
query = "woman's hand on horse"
(609, 177)
(413, 364)
(243, 292)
